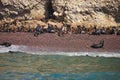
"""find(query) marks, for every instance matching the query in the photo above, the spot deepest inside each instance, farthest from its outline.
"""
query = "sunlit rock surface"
(99, 12)
(14, 8)
(84, 12)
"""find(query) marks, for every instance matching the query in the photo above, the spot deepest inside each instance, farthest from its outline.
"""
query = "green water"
(51, 66)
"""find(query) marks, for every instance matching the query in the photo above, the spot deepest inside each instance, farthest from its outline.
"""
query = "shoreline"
(47, 42)
(36, 51)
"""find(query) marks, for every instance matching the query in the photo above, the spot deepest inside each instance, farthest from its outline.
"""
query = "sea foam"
(35, 50)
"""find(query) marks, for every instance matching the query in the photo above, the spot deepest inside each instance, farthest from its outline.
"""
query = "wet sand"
(67, 43)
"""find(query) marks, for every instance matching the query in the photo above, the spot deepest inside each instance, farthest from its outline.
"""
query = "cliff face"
(15, 8)
(99, 12)
(90, 12)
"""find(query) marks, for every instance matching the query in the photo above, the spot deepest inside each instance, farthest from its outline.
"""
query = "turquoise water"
(21, 66)
(60, 76)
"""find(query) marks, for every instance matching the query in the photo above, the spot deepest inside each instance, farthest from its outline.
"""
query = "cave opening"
(49, 10)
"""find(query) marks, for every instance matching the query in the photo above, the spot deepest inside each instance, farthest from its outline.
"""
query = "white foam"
(92, 54)
(13, 48)
(33, 50)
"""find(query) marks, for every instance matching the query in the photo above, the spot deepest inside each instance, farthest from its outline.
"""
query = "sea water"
(61, 76)
(44, 65)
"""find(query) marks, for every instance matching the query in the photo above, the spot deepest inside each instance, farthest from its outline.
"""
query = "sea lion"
(50, 29)
(103, 31)
(79, 29)
(6, 44)
(59, 32)
(96, 32)
(118, 32)
(99, 45)
(38, 30)
(11, 51)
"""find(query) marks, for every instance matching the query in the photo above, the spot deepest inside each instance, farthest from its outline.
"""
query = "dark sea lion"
(99, 45)
(60, 33)
(11, 52)
(103, 31)
(38, 30)
(96, 32)
(50, 29)
(118, 32)
(36, 34)
(6, 44)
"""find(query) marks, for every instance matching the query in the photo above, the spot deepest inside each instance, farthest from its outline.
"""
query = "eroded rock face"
(83, 12)
(99, 12)
(14, 8)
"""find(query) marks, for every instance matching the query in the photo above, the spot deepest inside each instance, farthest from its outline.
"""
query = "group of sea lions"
(50, 29)
(65, 29)
(111, 30)
(22, 26)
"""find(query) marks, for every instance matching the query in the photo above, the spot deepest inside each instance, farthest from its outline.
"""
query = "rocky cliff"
(99, 12)
(16, 8)
(83, 12)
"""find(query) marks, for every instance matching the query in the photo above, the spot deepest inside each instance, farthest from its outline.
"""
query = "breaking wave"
(37, 51)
